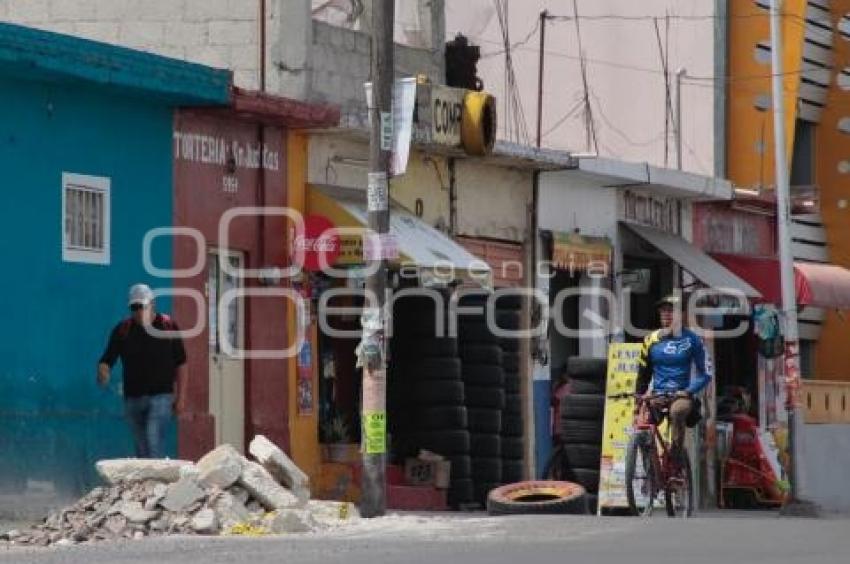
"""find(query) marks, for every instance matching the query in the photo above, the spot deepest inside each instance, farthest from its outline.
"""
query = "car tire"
(484, 420)
(536, 497)
(485, 398)
(481, 355)
(483, 375)
(583, 406)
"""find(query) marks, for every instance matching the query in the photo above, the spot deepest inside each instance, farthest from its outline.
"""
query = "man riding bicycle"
(665, 362)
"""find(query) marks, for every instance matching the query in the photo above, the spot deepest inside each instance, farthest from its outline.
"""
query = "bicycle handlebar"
(642, 397)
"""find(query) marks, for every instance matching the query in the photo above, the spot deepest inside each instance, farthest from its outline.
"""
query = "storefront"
(231, 168)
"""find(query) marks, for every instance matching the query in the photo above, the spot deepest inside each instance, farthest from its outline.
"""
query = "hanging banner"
(617, 426)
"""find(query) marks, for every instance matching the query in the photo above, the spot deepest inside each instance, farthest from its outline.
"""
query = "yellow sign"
(622, 378)
(375, 428)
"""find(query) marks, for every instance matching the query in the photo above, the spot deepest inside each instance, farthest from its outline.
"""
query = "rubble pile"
(223, 493)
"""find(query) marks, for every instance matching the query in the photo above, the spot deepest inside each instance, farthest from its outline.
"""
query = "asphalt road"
(443, 539)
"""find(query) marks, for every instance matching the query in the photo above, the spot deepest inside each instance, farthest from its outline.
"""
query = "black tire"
(509, 345)
(590, 386)
(474, 331)
(461, 491)
(444, 443)
(510, 362)
(537, 498)
(485, 398)
(581, 431)
(582, 456)
(416, 326)
(473, 297)
(461, 467)
(642, 474)
(485, 421)
(439, 392)
(557, 467)
(487, 470)
(483, 375)
(453, 418)
(582, 367)
(508, 320)
(583, 406)
(512, 425)
(509, 302)
(433, 369)
(425, 347)
(513, 448)
(587, 477)
(680, 502)
(592, 503)
(513, 384)
(483, 489)
(513, 405)
(512, 471)
(481, 355)
(485, 446)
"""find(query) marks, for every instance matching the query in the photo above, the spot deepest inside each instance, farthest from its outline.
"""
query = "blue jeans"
(148, 417)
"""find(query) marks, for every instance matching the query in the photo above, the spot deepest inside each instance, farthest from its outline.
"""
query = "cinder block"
(72, 10)
(245, 57)
(228, 32)
(157, 10)
(178, 33)
(247, 10)
(115, 10)
(142, 35)
(28, 11)
(213, 55)
(98, 31)
(246, 79)
(207, 10)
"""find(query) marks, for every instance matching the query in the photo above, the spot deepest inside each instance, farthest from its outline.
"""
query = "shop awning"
(435, 256)
(817, 285)
(692, 259)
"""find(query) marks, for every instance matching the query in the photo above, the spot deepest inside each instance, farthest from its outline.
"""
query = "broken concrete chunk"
(135, 513)
(220, 467)
(280, 466)
(265, 489)
(239, 493)
(332, 513)
(293, 521)
(182, 494)
(122, 470)
(205, 522)
(229, 510)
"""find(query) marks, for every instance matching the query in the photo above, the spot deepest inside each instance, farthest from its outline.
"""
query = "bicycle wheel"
(641, 481)
(679, 490)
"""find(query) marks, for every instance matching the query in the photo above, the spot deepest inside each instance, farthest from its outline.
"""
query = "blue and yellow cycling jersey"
(666, 359)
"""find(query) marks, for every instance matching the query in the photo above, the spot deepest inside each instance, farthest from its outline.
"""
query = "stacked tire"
(484, 383)
(508, 318)
(582, 415)
(427, 395)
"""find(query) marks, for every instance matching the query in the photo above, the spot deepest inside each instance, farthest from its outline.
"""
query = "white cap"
(140, 294)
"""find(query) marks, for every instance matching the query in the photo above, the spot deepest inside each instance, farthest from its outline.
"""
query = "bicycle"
(662, 469)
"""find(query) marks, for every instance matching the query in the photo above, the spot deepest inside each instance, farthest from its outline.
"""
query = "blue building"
(86, 161)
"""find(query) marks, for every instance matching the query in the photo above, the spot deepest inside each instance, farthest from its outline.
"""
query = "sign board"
(617, 428)
(320, 245)
(446, 115)
(383, 246)
(401, 125)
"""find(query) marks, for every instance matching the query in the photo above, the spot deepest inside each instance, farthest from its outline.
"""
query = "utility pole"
(680, 74)
(544, 15)
(795, 505)
(374, 405)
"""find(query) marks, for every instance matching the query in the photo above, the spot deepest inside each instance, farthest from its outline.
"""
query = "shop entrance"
(226, 339)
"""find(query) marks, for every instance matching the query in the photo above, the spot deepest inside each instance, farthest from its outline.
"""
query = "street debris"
(223, 494)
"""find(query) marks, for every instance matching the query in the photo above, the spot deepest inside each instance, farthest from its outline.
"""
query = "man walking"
(154, 370)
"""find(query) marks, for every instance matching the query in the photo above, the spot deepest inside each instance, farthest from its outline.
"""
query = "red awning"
(819, 285)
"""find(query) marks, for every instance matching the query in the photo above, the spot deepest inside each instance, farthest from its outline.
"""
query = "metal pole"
(374, 410)
(786, 270)
(544, 15)
(679, 75)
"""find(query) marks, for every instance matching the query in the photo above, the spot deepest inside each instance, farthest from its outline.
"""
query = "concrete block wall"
(219, 33)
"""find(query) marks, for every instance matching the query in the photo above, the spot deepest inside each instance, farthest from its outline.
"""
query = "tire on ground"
(483, 375)
(487, 470)
(512, 471)
(512, 425)
(581, 431)
(485, 446)
(481, 354)
(587, 477)
(446, 418)
(461, 467)
(439, 392)
(484, 420)
(582, 456)
(486, 398)
(461, 491)
(536, 498)
(583, 406)
(445, 443)
(512, 448)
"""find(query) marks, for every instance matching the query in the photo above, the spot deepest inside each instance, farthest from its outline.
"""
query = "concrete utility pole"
(374, 410)
(795, 505)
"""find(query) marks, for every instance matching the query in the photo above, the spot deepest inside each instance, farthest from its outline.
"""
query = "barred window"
(85, 218)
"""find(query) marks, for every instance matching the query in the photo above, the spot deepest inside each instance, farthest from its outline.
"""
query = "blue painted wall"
(55, 316)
